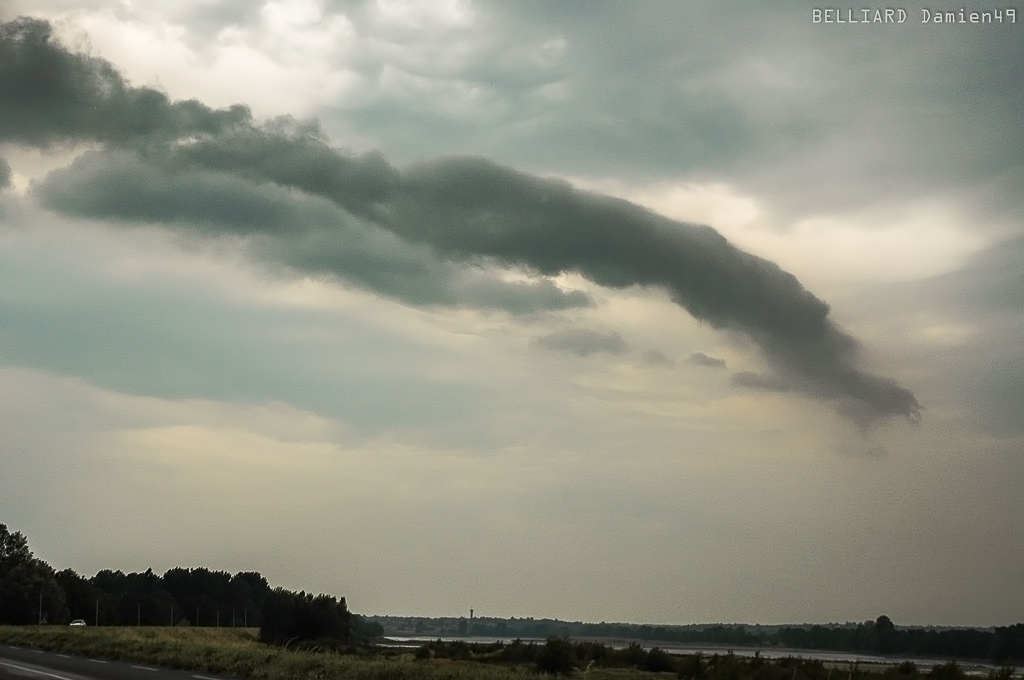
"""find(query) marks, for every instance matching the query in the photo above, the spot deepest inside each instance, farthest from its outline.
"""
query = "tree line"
(32, 592)
(1001, 644)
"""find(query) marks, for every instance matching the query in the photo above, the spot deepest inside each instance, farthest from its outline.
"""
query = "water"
(766, 652)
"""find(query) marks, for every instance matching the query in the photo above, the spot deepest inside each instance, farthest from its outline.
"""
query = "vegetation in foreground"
(567, 657)
(239, 653)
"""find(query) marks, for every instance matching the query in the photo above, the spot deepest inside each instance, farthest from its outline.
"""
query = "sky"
(665, 312)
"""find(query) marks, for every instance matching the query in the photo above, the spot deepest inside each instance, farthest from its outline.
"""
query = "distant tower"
(470, 621)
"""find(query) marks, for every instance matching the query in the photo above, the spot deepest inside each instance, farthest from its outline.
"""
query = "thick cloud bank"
(412, 233)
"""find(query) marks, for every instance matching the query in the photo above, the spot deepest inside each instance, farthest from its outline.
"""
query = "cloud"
(5, 173)
(50, 95)
(583, 341)
(469, 207)
(135, 314)
(701, 359)
(991, 281)
(976, 316)
(760, 381)
(657, 358)
(770, 100)
(305, 232)
(217, 173)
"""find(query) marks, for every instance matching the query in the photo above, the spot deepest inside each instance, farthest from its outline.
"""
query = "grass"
(236, 652)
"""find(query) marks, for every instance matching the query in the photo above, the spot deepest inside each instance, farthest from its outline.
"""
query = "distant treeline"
(1000, 644)
(881, 636)
(32, 592)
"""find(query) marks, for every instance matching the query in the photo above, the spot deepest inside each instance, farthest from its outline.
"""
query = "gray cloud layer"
(702, 359)
(766, 97)
(584, 341)
(216, 172)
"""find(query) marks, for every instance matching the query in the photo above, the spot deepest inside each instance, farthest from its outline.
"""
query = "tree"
(81, 595)
(29, 592)
(13, 550)
(885, 634)
(300, 617)
(556, 656)
(1008, 643)
(365, 631)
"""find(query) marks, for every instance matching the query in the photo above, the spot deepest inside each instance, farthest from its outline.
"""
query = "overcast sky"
(657, 312)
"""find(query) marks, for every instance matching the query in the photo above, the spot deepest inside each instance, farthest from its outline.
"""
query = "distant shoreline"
(831, 658)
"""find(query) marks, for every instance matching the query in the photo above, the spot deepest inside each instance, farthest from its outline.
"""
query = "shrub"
(556, 656)
(658, 661)
(948, 671)
(691, 666)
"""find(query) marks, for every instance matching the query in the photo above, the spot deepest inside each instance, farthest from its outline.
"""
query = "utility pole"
(40, 607)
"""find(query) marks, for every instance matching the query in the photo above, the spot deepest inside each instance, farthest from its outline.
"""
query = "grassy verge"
(235, 651)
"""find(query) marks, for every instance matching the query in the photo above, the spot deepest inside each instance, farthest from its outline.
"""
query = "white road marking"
(97, 660)
(38, 651)
(64, 656)
(203, 677)
(144, 668)
(32, 670)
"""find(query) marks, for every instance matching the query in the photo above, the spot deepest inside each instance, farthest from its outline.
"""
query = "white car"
(77, 622)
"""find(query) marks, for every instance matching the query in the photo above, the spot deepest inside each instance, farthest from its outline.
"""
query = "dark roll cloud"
(467, 207)
(50, 95)
(216, 171)
(304, 232)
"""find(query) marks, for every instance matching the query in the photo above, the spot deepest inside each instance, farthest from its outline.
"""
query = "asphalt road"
(19, 663)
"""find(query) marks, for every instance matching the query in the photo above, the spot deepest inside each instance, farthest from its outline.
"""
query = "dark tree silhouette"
(556, 656)
(301, 617)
